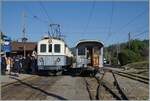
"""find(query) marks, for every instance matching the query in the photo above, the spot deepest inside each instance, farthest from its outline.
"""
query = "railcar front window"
(43, 48)
(50, 48)
(81, 51)
(57, 48)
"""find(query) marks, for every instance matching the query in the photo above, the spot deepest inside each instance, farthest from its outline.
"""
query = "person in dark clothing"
(17, 65)
(20, 63)
(13, 64)
(28, 64)
(33, 64)
(3, 64)
(24, 65)
(36, 67)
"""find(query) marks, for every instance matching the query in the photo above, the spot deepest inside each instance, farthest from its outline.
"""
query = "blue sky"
(75, 21)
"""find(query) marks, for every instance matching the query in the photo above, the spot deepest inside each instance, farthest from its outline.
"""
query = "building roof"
(18, 46)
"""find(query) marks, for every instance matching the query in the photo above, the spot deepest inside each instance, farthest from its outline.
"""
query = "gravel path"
(71, 88)
(133, 89)
(32, 89)
(47, 88)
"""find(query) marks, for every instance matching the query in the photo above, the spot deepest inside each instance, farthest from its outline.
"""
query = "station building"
(17, 48)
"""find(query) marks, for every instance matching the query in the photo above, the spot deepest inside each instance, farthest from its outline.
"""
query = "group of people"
(18, 64)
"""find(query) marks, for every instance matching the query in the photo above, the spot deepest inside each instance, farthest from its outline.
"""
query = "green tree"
(128, 56)
(138, 51)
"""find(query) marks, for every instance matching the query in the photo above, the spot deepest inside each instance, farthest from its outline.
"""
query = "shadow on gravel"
(74, 72)
(43, 91)
(79, 73)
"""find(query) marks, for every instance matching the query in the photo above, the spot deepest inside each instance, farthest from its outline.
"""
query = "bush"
(114, 61)
(128, 56)
(122, 56)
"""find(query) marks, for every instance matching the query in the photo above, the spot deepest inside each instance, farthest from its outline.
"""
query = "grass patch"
(139, 65)
(140, 68)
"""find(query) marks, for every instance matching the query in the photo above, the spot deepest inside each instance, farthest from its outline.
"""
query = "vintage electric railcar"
(89, 55)
(53, 55)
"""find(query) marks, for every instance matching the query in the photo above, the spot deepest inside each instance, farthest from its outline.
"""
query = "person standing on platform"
(8, 63)
(34, 62)
(24, 64)
(28, 63)
(17, 64)
(3, 64)
(20, 64)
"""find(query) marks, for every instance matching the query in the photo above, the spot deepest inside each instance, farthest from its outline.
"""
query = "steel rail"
(123, 95)
(133, 77)
(104, 84)
(87, 87)
(130, 76)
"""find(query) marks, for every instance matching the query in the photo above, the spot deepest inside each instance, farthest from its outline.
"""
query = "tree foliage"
(138, 50)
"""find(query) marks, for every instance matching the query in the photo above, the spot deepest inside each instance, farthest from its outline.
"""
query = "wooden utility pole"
(129, 39)
(118, 51)
(24, 39)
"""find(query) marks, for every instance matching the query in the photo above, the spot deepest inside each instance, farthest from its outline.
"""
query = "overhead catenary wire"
(142, 27)
(46, 22)
(50, 20)
(38, 19)
(89, 17)
(132, 20)
(111, 19)
(35, 17)
(140, 33)
(45, 11)
(32, 16)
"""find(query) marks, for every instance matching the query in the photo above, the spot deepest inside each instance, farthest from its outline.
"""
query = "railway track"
(133, 77)
(99, 89)
(130, 76)
(92, 87)
(114, 91)
(88, 89)
(110, 91)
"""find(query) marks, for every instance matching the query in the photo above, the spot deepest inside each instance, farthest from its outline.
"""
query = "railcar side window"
(57, 48)
(81, 51)
(50, 48)
(43, 48)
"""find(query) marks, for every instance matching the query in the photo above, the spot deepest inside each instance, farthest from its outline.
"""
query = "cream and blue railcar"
(89, 54)
(53, 54)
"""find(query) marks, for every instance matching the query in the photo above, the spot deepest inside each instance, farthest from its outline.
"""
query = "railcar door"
(95, 59)
(89, 56)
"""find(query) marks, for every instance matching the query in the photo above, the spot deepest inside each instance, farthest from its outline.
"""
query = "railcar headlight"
(58, 60)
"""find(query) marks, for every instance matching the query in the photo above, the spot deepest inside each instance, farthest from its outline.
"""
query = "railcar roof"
(54, 38)
(89, 41)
